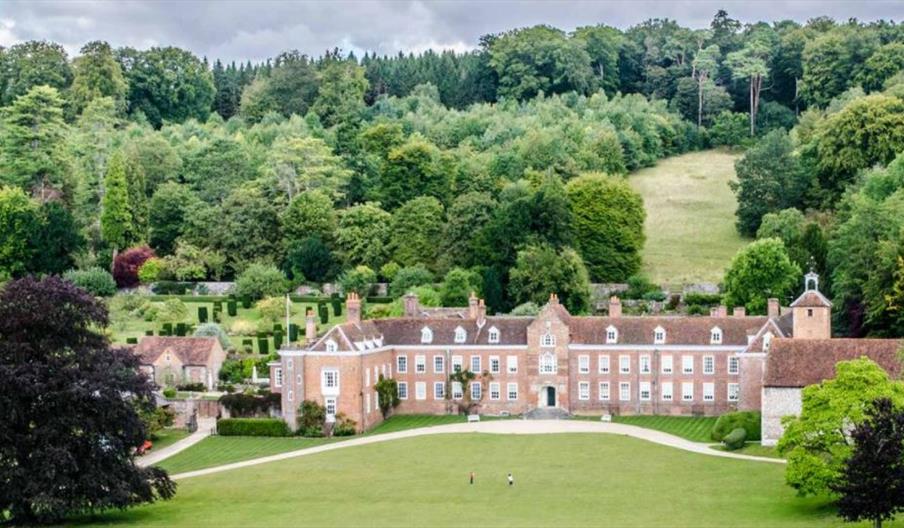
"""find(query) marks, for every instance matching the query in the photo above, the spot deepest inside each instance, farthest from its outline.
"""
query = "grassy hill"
(690, 228)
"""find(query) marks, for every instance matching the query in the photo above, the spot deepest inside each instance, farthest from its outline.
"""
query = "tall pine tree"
(116, 217)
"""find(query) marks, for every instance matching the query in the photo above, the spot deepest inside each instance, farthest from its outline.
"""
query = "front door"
(550, 396)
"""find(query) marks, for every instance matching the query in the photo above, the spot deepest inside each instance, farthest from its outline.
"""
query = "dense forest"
(498, 170)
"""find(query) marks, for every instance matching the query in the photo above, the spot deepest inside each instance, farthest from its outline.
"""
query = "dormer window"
(715, 336)
(493, 335)
(426, 335)
(331, 346)
(659, 335)
(611, 335)
(460, 335)
(767, 341)
(548, 340)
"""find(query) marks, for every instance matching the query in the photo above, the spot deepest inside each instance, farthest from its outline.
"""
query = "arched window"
(493, 335)
(331, 346)
(715, 336)
(611, 335)
(548, 340)
(548, 363)
(426, 335)
(659, 335)
(460, 335)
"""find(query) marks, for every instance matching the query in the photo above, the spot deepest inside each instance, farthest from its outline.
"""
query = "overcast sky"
(242, 30)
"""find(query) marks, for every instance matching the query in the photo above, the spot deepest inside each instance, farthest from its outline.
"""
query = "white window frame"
(603, 389)
(402, 364)
(476, 368)
(460, 335)
(495, 365)
(687, 391)
(367, 377)
(511, 364)
(645, 392)
(659, 336)
(278, 378)
(439, 388)
(687, 364)
(624, 364)
(709, 365)
(767, 341)
(291, 395)
(331, 346)
(510, 389)
(457, 362)
(331, 403)
(645, 364)
(420, 364)
(476, 391)
(547, 340)
(733, 392)
(495, 389)
(584, 390)
(709, 392)
(458, 392)
(611, 335)
(329, 380)
(667, 364)
(715, 336)
(439, 364)
(402, 388)
(420, 390)
(667, 391)
(734, 365)
(493, 335)
(426, 335)
(603, 363)
(624, 391)
(548, 363)
(584, 364)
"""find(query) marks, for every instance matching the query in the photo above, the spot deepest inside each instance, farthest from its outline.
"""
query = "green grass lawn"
(695, 429)
(754, 449)
(690, 229)
(564, 480)
(219, 450)
(168, 437)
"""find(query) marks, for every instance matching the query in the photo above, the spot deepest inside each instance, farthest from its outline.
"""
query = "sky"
(255, 30)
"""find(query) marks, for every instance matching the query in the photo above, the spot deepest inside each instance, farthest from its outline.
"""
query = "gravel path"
(496, 427)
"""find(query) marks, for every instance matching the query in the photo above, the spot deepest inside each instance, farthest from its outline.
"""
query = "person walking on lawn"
(511, 480)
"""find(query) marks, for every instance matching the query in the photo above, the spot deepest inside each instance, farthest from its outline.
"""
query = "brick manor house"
(616, 364)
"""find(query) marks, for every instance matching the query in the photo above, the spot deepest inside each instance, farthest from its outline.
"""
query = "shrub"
(359, 280)
(96, 281)
(252, 427)
(344, 426)
(263, 346)
(735, 439)
(337, 306)
(277, 340)
(249, 405)
(202, 314)
(192, 387)
(639, 286)
(729, 129)
(169, 392)
(259, 281)
(409, 277)
(151, 270)
(747, 420)
(173, 311)
(131, 340)
(324, 313)
(703, 299)
(248, 345)
(388, 271)
(243, 328)
(528, 308)
(293, 332)
(311, 416)
(127, 263)
(171, 288)
(231, 307)
(213, 330)
(246, 302)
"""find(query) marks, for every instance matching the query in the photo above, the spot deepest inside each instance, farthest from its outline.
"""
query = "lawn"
(219, 450)
(564, 480)
(690, 227)
(754, 449)
(167, 437)
(695, 429)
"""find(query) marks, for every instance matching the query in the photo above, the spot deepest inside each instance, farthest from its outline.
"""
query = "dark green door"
(550, 397)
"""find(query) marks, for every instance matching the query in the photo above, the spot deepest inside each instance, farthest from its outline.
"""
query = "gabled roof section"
(811, 299)
(801, 362)
(189, 350)
(690, 330)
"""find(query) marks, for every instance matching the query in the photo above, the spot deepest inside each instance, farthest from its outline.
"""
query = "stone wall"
(777, 403)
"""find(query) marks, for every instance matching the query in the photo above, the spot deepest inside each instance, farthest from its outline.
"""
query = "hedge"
(252, 427)
(131, 340)
(248, 344)
(293, 332)
(747, 420)
(181, 329)
(263, 347)
(148, 332)
(231, 307)
(277, 340)
(735, 439)
(246, 302)
(324, 313)
(171, 287)
(202, 314)
(704, 299)
(337, 306)
(379, 300)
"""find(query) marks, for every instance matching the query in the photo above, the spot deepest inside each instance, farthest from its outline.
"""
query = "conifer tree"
(115, 216)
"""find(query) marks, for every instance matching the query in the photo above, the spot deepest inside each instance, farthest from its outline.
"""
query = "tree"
(97, 74)
(757, 272)
(363, 235)
(602, 44)
(416, 228)
(158, 160)
(96, 281)
(358, 280)
(213, 330)
(882, 65)
(871, 486)
(310, 214)
(690, 93)
(729, 129)
(302, 164)
(388, 394)
(91, 143)
(541, 270)
(20, 224)
(787, 225)
(290, 88)
(248, 228)
(833, 60)
(340, 97)
(706, 62)
(412, 169)
(259, 281)
(32, 64)
(167, 84)
(167, 215)
(770, 179)
(466, 213)
(172, 312)
(138, 200)
(752, 63)
(116, 216)
(217, 168)
(31, 142)
(817, 443)
(608, 218)
(127, 264)
(407, 278)
(310, 259)
(457, 287)
(57, 241)
(70, 433)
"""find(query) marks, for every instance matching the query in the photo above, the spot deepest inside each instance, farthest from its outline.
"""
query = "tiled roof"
(189, 350)
(801, 362)
(690, 330)
(811, 299)
(512, 330)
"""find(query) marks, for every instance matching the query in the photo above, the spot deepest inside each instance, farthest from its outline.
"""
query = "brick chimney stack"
(353, 308)
(481, 313)
(472, 306)
(310, 327)
(739, 311)
(721, 311)
(774, 309)
(412, 306)
(614, 306)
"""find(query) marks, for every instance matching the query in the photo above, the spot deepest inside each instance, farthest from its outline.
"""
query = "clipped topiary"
(735, 439)
(747, 420)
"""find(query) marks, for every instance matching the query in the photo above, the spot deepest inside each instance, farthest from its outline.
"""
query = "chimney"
(310, 326)
(481, 313)
(714, 311)
(353, 308)
(553, 298)
(614, 306)
(774, 309)
(472, 306)
(739, 311)
(412, 307)
(721, 311)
